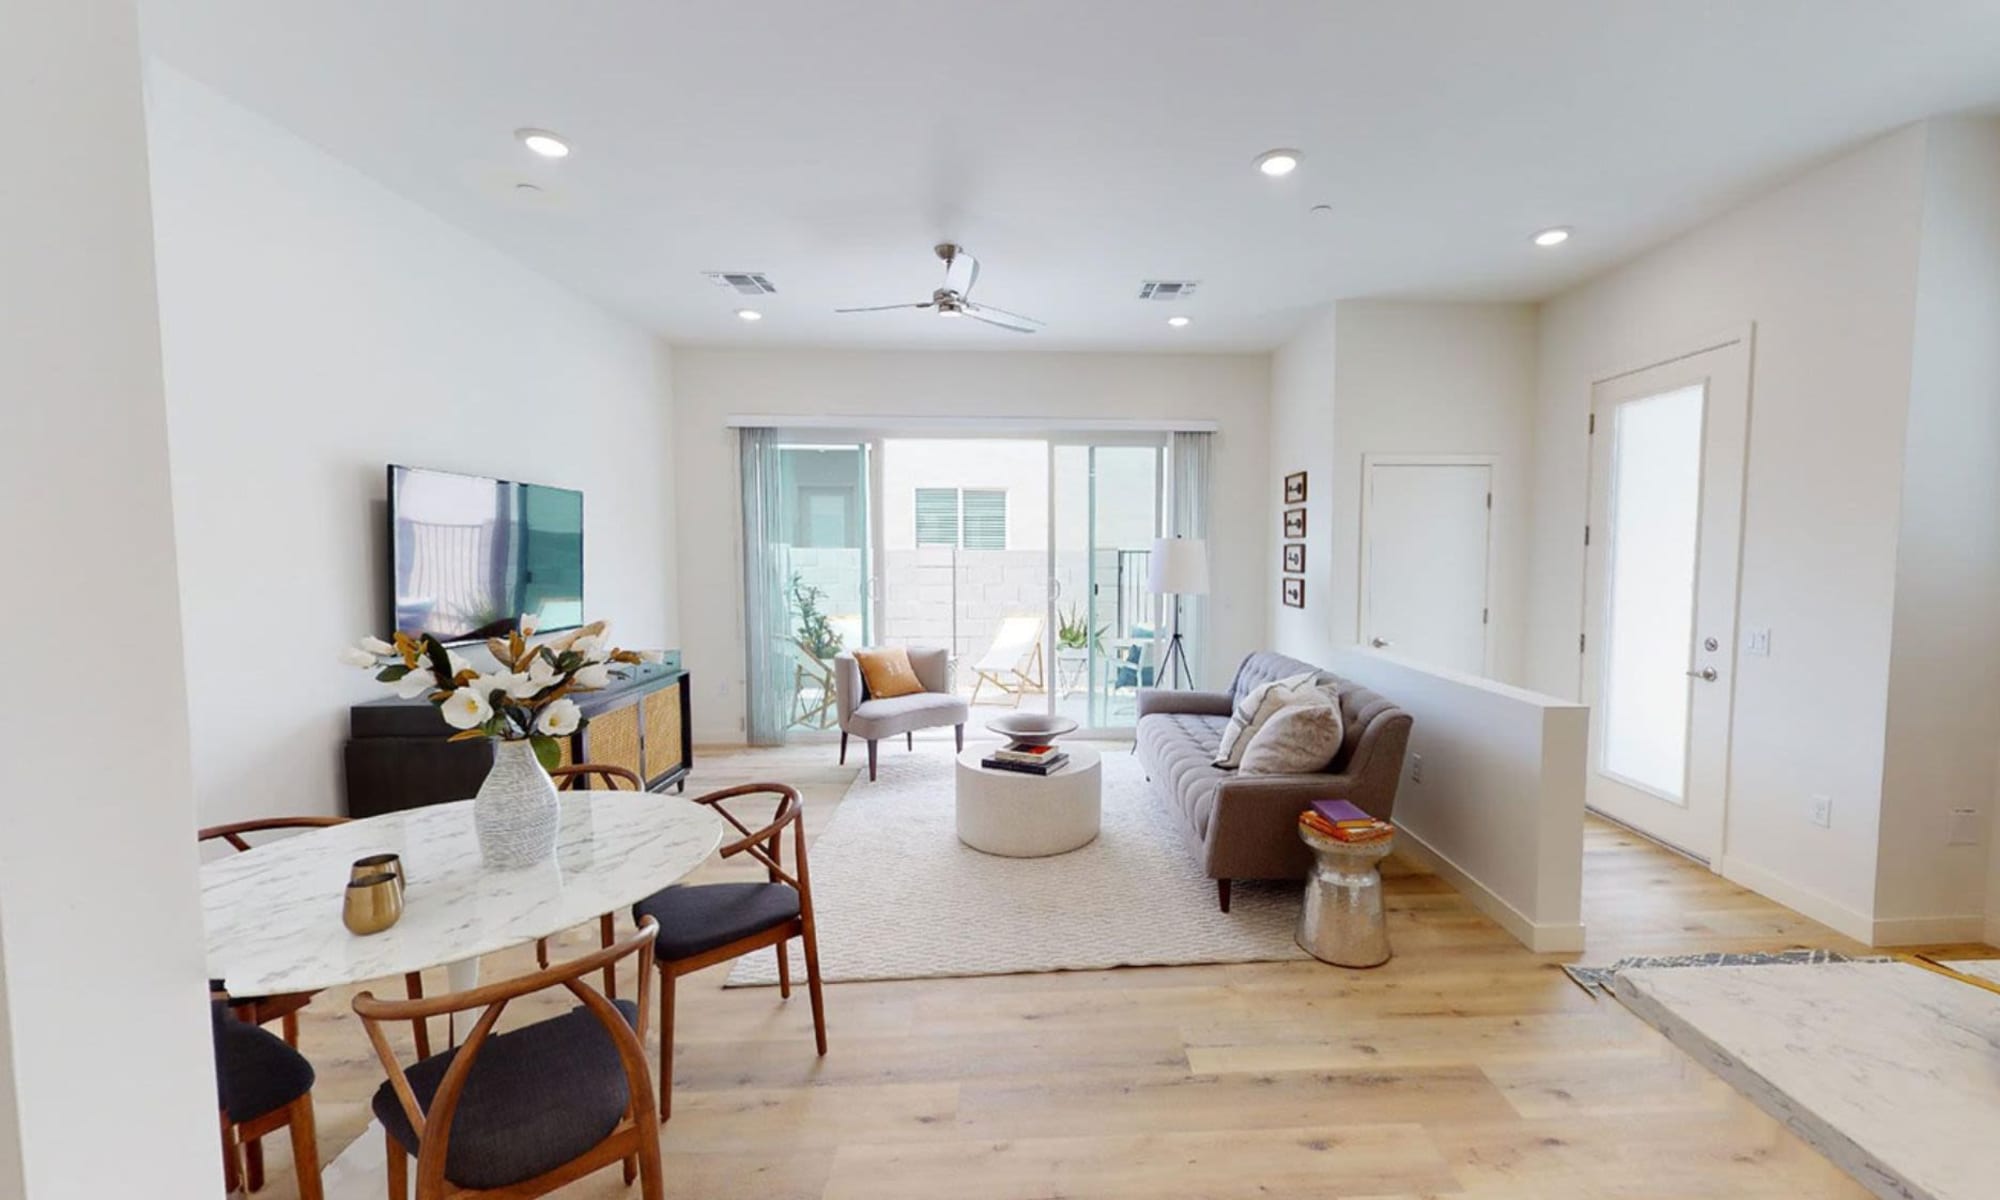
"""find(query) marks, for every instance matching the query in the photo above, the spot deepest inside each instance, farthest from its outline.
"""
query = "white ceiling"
(1079, 146)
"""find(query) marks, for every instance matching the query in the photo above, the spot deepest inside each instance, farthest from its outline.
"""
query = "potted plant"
(816, 634)
(523, 706)
(1074, 639)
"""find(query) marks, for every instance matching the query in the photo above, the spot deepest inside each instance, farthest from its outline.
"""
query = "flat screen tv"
(469, 555)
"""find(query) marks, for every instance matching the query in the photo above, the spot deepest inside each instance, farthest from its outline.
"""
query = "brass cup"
(374, 903)
(380, 864)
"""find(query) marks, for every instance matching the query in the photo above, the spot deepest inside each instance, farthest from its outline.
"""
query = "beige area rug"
(898, 896)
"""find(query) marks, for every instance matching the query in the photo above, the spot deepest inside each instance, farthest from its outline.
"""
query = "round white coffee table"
(1029, 816)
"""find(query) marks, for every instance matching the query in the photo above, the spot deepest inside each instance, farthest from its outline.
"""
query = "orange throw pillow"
(888, 673)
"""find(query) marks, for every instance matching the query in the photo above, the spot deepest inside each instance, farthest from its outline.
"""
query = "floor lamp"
(1179, 568)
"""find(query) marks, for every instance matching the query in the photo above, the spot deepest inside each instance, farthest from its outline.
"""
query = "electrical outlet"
(1416, 768)
(1819, 810)
(1757, 642)
(1964, 827)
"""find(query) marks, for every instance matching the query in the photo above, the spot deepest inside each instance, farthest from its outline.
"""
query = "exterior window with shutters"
(974, 519)
(937, 516)
(985, 519)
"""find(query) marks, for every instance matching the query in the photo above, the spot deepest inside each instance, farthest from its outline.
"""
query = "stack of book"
(1029, 758)
(1341, 821)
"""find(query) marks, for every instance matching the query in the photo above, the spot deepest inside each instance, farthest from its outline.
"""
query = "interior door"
(1663, 540)
(1425, 533)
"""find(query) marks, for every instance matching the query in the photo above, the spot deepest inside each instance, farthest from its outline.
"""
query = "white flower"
(416, 683)
(457, 662)
(560, 718)
(355, 656)
(510, 682)
(652, 656)
(528, 624)
(592, 646)
(466, 708)
(593, 675)
(377, 647)
(541, 674)
(525, 685)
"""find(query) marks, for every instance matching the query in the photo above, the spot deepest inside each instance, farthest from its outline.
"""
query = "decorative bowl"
(1031, 727)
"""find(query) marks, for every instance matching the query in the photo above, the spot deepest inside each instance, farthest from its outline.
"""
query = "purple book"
(1337, 811)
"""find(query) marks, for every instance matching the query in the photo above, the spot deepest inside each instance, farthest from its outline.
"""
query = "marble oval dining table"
(273, 913)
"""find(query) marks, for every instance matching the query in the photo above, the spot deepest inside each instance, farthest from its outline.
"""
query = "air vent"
(743, 283)
(1167, 289)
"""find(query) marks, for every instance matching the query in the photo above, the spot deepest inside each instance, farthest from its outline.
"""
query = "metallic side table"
(1341, 919)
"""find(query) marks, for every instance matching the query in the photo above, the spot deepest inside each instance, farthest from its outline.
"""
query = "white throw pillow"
(1299, 739)
(1256, 707)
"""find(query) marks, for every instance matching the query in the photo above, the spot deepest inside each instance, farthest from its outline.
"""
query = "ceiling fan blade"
(976, 309)
(886, 307)
(979, 314)
(967, 266)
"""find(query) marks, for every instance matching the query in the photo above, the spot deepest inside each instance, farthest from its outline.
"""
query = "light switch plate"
(1819, 810)
(1416, 768)
(1964, 827)
(1757, 642)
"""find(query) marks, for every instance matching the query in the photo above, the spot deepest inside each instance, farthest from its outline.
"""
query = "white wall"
(107, 1083)
(1499, 811)
(1944, 675)
(317, 327)
(1396, 377)
(1826, 268)
(712, 384)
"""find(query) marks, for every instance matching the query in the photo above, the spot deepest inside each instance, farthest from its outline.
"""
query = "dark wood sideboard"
(398, 754)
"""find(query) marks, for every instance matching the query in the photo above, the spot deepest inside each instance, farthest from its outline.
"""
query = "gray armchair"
(872, 719)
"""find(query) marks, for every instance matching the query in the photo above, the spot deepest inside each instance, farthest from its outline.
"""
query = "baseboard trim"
(1540, 938)
(1921, 931)
(1803, 901)
(1993, 930)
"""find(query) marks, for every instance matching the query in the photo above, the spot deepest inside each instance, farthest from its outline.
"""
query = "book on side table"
(1027, 758)
(1343, 821)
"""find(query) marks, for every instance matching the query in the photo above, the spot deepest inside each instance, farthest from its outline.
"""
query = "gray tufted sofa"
(1246, 826)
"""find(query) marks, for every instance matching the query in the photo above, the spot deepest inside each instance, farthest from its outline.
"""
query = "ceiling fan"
(961, 271)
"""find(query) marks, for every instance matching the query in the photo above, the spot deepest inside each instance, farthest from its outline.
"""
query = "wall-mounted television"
(468, 556)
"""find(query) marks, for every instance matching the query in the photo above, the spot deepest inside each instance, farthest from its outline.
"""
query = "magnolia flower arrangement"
(526, 697)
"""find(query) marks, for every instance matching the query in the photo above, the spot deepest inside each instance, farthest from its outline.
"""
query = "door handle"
(1378, 643)
(1706, 674)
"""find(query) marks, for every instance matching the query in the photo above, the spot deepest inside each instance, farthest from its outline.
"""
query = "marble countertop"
(1891, 1071)
(273, 914)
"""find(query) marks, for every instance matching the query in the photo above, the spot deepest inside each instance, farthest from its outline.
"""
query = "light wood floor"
(1466, 1067)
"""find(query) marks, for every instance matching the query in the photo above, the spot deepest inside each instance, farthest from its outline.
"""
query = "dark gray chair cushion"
(695, 920)
(536, 1098)
(255, 1071)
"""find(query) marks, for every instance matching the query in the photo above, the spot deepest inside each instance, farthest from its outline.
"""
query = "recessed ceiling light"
(1322, 210)
(1278, 162)
(542, 142)
(527, 187)
(749, 314)
(1552, 237)
(1178, 322)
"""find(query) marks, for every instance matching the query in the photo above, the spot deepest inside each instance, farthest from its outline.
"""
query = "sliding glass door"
(823, 514)
(1104, 512)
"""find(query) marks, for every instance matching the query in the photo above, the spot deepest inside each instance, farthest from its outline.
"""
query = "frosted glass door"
(1658, 647)
(1655, 511)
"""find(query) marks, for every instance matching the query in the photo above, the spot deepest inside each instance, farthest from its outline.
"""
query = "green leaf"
(391, 674)
(440, 660)
(546, 751)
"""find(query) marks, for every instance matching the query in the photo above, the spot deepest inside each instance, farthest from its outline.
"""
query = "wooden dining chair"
(572, 778)
(285, 1008)
(519, 1114)
(262, 1085)
(715, 922)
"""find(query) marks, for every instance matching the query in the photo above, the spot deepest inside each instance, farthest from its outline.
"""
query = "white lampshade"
(1179, 566)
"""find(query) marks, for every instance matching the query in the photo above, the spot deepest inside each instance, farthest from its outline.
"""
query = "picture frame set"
(1292, 588)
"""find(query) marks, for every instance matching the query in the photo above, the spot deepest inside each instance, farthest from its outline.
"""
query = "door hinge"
(1579, 643)
(1593, 423)
(1586, 535)
(1483, 614)
(1489, 501)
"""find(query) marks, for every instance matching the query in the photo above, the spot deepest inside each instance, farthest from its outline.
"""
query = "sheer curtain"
(766, 612)
(1188, 517)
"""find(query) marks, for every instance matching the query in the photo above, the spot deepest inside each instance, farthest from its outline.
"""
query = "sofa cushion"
(887, 673)
(1299, 739)
(1257, 706)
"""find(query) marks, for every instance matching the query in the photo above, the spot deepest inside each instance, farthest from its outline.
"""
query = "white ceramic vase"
(517, 812)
